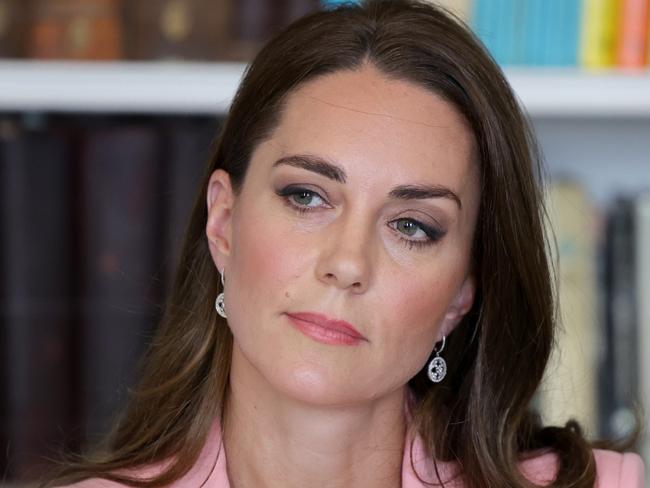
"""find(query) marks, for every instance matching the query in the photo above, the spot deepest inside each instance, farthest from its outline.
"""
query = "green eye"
(407, 227)
(303, 197)
(300, 199)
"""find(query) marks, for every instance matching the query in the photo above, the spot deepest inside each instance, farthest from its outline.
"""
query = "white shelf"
(208, 88)
(548, 92)
(110, 87)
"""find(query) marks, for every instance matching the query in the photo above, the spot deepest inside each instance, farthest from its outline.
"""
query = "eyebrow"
(325, 168)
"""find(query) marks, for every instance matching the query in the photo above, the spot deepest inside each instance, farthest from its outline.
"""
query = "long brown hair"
(482, 418)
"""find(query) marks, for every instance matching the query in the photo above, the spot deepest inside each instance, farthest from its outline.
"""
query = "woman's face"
(361, 207)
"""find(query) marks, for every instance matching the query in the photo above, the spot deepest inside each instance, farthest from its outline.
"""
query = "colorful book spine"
(598, 33)
(533, 31)
(570, 21)
(551, 27)
(511, 44)
(335, 3)
(632, 48)
(488, 24)
(560, 32)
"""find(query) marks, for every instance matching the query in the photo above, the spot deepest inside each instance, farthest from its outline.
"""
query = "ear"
(218, 229)
(461, 304)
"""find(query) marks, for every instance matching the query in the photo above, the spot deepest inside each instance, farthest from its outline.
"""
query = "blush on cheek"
(415, 305)
(264, 261)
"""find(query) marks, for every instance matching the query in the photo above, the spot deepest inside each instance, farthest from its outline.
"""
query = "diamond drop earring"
(219, 304)
(438, 366)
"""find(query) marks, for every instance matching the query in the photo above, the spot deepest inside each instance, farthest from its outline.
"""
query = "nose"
(345, 259)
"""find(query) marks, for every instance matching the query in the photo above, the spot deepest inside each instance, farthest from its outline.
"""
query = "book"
(120, 241)
(187, 149)
(328, 4)
(256, 21)
(14, 20)
(569, 388)
(7, 134)
(568, 39)
(76, 29)
(293, 9)
(512, 39)
(36, 306)
(535, 25)
(632, 46)
(488, 24)
(461, 8)
(598, 33)
(559, 32)
(642, 257)
(178, 29)
(619, 369)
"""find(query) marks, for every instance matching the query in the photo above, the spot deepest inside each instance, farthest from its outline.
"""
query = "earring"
(219, 304)
(438, 366)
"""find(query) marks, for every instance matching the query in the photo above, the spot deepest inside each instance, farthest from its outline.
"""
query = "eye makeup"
(291, 193)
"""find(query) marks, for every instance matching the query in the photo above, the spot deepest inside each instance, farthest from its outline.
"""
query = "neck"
(272, 440)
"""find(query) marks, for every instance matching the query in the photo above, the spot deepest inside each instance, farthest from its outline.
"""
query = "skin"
(300, 412)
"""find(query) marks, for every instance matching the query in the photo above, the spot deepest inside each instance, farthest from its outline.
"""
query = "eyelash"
(433, 234)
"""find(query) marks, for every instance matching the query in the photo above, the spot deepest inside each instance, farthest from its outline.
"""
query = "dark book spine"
(256, 21)
(14, 25)
(7, 134)
(36, 309)
(294, 9)
(253, 23)
(76, 29)
(620, 368)
(177, 29)
(187, 150)
(121, 243)
(642, 259)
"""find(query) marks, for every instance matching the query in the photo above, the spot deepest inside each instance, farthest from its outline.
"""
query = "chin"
(315, 385)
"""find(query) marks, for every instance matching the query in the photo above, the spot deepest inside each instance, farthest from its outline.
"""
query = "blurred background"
(107, 112)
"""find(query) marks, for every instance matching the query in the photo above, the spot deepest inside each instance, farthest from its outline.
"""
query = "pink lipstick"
(325, 330)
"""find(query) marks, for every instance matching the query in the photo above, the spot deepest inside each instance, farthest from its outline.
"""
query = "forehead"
(374, 126)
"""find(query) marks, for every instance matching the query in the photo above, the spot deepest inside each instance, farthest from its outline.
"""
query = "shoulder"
(613, 469)
(209, 469)
(143, 473)
(616, 469)
(139, 473)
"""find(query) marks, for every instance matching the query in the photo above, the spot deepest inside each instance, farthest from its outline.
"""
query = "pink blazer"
(614, 469)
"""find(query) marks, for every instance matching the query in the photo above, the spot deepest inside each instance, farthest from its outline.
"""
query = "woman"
(371, 227)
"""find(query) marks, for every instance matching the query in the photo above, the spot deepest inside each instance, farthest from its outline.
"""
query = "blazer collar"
(416, 464)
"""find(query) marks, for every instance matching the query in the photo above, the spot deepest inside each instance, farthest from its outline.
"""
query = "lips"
(327, 323)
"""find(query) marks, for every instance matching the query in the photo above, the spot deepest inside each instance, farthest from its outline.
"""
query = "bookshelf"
(207, 88)
(593, 126)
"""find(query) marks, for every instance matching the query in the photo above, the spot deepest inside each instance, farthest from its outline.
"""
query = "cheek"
(264, 258)
(417, 305)
(258, 258)
(414, 310)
